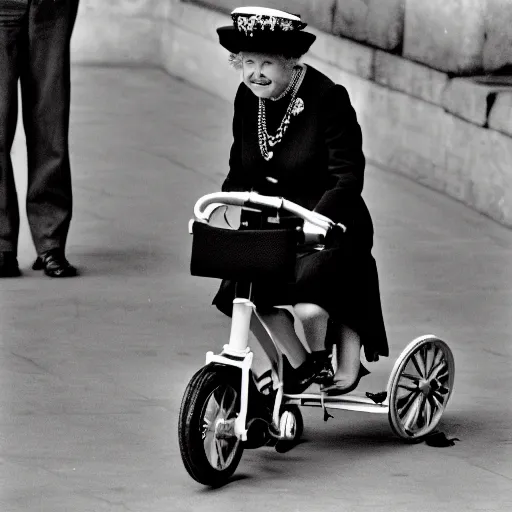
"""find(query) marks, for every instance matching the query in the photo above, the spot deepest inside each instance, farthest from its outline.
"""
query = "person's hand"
(313, 234)
(335, 235)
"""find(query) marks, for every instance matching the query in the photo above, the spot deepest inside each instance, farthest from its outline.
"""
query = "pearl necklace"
(288, 88)
(265, 140)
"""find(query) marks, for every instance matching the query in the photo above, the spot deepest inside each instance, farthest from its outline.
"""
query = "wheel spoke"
(408, 387)
(439, 397)
(437, 355)
(222, 407)
(419, 364)
(441, 365)
(424, 356)
(213, 407)
(442, 390)
(432, 354)
(212, 451)
(421, 414)
(410, 376)
(209, 414)
(404, 403)
(443, 378)
(412, 416)
(438, 400)
(220, 455)
(232, 404)
(428, 411)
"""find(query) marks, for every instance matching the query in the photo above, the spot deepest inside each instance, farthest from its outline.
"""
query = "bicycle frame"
(237, 352)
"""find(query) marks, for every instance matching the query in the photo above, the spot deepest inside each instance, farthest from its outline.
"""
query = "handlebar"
(206, 205)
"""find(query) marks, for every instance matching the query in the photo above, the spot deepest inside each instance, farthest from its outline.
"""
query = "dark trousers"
(34, 50)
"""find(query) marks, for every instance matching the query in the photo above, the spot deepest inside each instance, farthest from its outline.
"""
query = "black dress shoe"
(9, 265)
(54, 264)
(325, 373)
(299, 379)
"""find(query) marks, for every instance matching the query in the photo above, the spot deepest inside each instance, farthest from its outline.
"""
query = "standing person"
(296, 135)
(35, 50)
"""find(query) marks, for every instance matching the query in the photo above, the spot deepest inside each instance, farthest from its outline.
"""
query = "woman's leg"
(281, 325)
(314, 321)
(348, 360)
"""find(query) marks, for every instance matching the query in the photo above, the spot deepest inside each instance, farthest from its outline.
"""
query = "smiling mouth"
(255, 82)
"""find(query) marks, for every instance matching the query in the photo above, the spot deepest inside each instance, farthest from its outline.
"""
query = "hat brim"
(291, 43)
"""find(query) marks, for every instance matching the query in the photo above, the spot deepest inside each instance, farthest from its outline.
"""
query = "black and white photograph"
(255, 255)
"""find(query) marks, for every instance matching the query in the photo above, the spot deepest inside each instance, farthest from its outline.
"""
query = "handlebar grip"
(313, 234)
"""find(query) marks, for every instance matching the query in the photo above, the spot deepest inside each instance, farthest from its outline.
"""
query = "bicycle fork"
(238, 354)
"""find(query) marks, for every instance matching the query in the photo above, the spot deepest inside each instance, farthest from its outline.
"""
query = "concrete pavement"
(92, 369)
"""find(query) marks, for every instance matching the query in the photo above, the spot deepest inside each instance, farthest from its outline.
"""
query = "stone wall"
(451, 134)
(461, 37)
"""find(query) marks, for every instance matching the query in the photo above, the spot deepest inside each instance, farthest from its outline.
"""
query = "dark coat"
(319, 164)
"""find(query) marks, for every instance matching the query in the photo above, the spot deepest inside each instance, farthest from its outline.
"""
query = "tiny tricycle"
(223, 411)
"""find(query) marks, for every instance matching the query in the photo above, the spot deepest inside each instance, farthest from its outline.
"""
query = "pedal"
(378, 398)
(258, 434)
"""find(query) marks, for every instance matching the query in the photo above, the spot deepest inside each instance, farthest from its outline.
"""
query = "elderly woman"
(296, 136)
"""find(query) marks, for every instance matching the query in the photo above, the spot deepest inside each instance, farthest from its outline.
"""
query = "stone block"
(379, 23)
(202, 22)
(469, 99)
(495, 197)
(500, 117)
(401, 134)
(318, 13)
(333, 72)
(131, 8)
(343, 53)
(448, 36)
(432, 147)
(409, 77)
(100, 38)
(497, 52)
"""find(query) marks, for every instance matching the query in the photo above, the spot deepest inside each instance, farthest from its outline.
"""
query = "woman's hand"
(313, 234)
(335, 235)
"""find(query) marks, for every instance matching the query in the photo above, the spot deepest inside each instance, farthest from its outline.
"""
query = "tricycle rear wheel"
(420, 386)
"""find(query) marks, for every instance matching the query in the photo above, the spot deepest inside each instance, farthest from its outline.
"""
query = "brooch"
(298, 107)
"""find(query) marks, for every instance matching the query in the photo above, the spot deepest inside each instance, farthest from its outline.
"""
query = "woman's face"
(266, 75)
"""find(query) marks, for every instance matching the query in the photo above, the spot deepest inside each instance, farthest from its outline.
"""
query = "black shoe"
(299, 379)
(325, 373)
(55, 264)
(9, 265)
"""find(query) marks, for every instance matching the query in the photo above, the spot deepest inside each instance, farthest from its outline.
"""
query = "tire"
(211, 399)
(292, 424)
(420, 386)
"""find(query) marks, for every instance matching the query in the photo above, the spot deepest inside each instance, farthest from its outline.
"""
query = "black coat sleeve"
(346, 161)
(234, 181)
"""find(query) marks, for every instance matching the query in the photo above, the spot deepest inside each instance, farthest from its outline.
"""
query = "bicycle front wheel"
(209, 448)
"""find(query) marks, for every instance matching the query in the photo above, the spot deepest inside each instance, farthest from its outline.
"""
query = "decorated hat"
(261, 29)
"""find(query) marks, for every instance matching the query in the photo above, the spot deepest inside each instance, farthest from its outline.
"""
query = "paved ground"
(92, 369)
